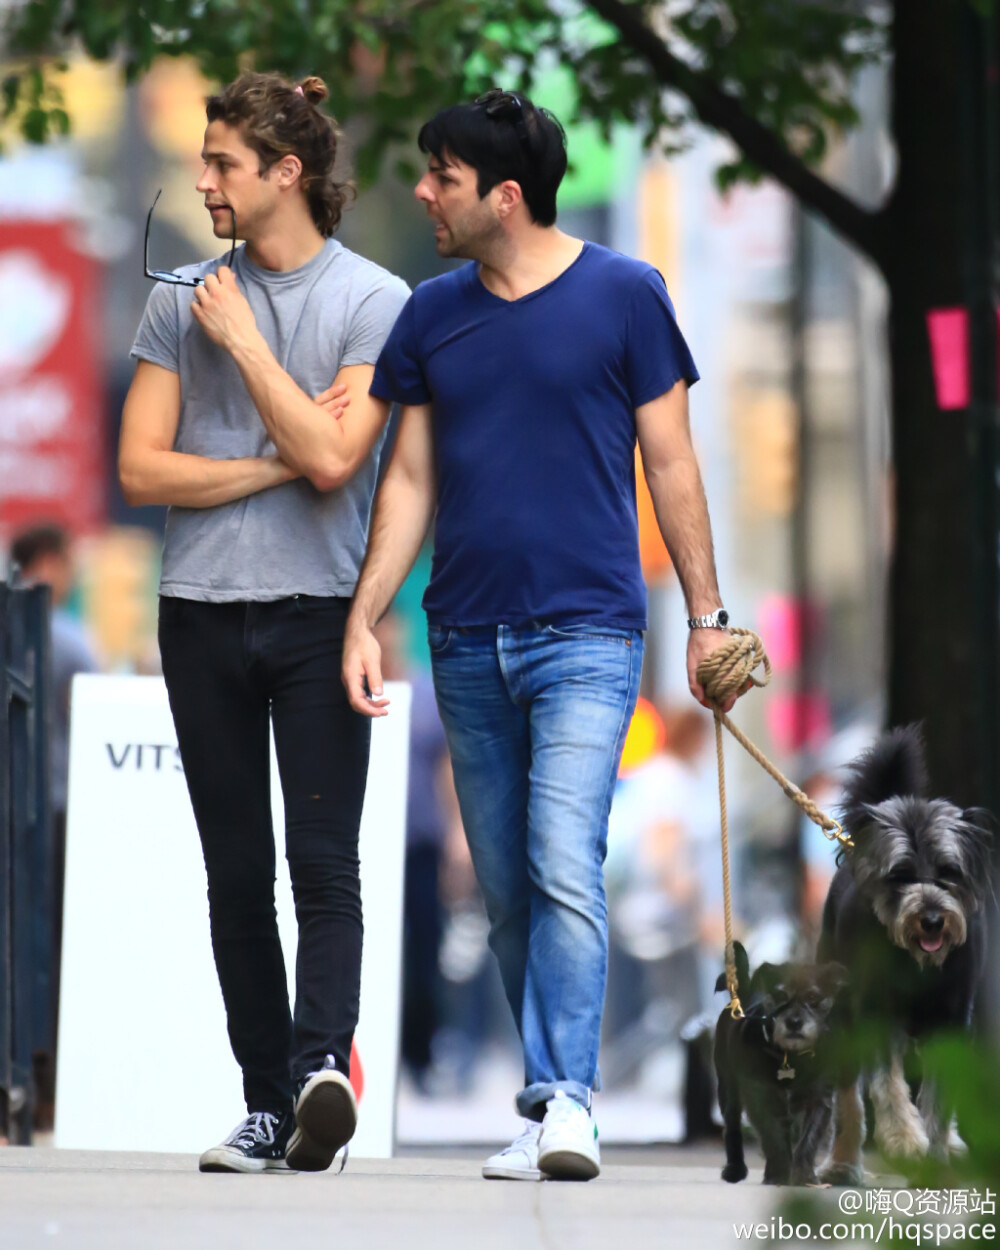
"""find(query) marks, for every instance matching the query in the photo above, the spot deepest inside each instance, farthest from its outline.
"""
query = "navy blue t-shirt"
(534, 436)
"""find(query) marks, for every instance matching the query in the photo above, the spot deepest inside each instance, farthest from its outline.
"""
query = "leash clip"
(838, 835)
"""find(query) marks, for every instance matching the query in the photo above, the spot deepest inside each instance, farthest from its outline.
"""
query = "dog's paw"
(904, 1138)
(846, 1175)
(734, 1173)
(956, 1147)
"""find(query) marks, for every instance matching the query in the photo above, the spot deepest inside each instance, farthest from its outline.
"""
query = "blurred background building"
(786, 326)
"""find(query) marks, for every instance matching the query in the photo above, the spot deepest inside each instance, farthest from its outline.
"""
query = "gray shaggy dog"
(906, 916)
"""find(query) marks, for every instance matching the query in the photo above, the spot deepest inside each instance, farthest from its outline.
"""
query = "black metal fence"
(27, 1024)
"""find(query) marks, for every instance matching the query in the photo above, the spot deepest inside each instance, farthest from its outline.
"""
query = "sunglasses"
(504, 106)
(165, 275)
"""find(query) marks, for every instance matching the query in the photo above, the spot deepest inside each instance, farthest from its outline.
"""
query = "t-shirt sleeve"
(372, 321)
(656, 355)
(158, 337)
(399, 375)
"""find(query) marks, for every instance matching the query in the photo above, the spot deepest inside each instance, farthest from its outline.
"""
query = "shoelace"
(256, 1128)
(528, 1139)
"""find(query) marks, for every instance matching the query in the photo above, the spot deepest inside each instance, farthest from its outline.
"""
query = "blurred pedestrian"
(43, 555)
(428, 775)
(525, 377)
(231, 419)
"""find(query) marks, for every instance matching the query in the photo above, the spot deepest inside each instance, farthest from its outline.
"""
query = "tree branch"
(723, 112)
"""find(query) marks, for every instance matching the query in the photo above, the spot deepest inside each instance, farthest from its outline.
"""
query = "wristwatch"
(718, 619)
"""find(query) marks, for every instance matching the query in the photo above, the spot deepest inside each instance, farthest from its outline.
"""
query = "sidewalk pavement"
(645, 1199)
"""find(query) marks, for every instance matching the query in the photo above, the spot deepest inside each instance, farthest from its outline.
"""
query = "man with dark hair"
(526, 377)
(270, 493)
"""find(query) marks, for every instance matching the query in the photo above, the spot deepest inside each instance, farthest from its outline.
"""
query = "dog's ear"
(742, 967)
(742, 972)
(981, 823)
(831, 978)
(766, 978)
(980, 828)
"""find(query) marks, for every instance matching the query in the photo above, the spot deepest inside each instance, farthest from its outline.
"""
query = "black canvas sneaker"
(326, 1115)
(256, 1145)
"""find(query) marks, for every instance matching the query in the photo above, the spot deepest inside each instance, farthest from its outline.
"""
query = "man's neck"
(286, 245)
(527, 261)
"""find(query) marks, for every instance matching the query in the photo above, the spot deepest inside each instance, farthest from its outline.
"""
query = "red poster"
(52, 455)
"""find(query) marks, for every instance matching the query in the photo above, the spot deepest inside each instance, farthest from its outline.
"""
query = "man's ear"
(288, 170)
(508, 197)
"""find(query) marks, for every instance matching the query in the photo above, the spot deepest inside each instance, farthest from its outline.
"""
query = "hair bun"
(314, 89)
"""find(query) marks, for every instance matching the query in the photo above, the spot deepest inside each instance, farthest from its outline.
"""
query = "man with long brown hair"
(238, 419)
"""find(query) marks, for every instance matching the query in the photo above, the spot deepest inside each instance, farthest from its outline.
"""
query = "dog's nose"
(932, 922)
(793, 1022)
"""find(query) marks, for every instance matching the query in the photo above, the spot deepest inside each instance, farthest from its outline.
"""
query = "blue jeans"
(536, 719)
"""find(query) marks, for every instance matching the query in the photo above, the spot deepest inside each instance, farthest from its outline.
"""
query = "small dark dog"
(905, 914)
(778, 1063)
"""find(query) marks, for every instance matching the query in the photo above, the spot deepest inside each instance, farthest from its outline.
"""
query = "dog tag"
(786, 1074)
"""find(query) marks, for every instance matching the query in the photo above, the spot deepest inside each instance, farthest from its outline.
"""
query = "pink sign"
(948, 331)
(795, 721)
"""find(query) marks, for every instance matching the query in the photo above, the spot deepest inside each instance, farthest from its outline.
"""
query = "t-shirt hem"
(445, 621)
(256, 594)
(140, 353)
(381, 391)
(654, 392)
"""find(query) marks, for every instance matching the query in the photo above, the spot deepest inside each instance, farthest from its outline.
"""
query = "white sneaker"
(519, 1161)
(567, 1148)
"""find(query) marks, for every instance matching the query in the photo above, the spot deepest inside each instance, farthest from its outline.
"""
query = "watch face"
(723, 617)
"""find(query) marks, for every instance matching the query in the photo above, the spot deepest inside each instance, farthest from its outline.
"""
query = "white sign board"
(144, 1059)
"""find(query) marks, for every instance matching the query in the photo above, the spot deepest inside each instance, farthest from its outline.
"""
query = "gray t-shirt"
(336, 310)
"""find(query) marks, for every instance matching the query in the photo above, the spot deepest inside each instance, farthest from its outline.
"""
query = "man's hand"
(361, 672)
(334, 399)
(222, 311)
(701, 643)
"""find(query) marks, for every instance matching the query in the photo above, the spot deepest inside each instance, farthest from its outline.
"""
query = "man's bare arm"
(678, 494)
(404, 507)
(151, 472)
(327, 452)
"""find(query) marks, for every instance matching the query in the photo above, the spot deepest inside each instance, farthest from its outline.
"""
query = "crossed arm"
(314, 438)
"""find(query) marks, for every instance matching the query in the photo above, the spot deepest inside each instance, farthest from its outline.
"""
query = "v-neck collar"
(530, 295)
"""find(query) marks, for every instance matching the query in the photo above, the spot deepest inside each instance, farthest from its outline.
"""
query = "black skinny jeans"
(231, 669)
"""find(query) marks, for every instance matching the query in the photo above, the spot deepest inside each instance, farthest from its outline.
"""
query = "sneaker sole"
(568, 1165)
(224, 1159)
(497, 1172)
(326, 1116)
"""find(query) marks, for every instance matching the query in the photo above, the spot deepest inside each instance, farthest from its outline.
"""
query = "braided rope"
(728, 671)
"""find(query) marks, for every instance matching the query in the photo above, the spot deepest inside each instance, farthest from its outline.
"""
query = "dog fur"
(778, 1064)
(905, 915)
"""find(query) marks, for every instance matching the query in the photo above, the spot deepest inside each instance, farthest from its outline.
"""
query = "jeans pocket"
(590, 633)
(439, 638)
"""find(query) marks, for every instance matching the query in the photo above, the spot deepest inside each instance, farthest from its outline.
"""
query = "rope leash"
(728, 671)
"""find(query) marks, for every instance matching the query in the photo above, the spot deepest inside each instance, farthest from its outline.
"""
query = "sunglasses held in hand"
(166, 275)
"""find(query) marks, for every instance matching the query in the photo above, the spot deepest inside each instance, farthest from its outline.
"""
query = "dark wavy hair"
(278, 118)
